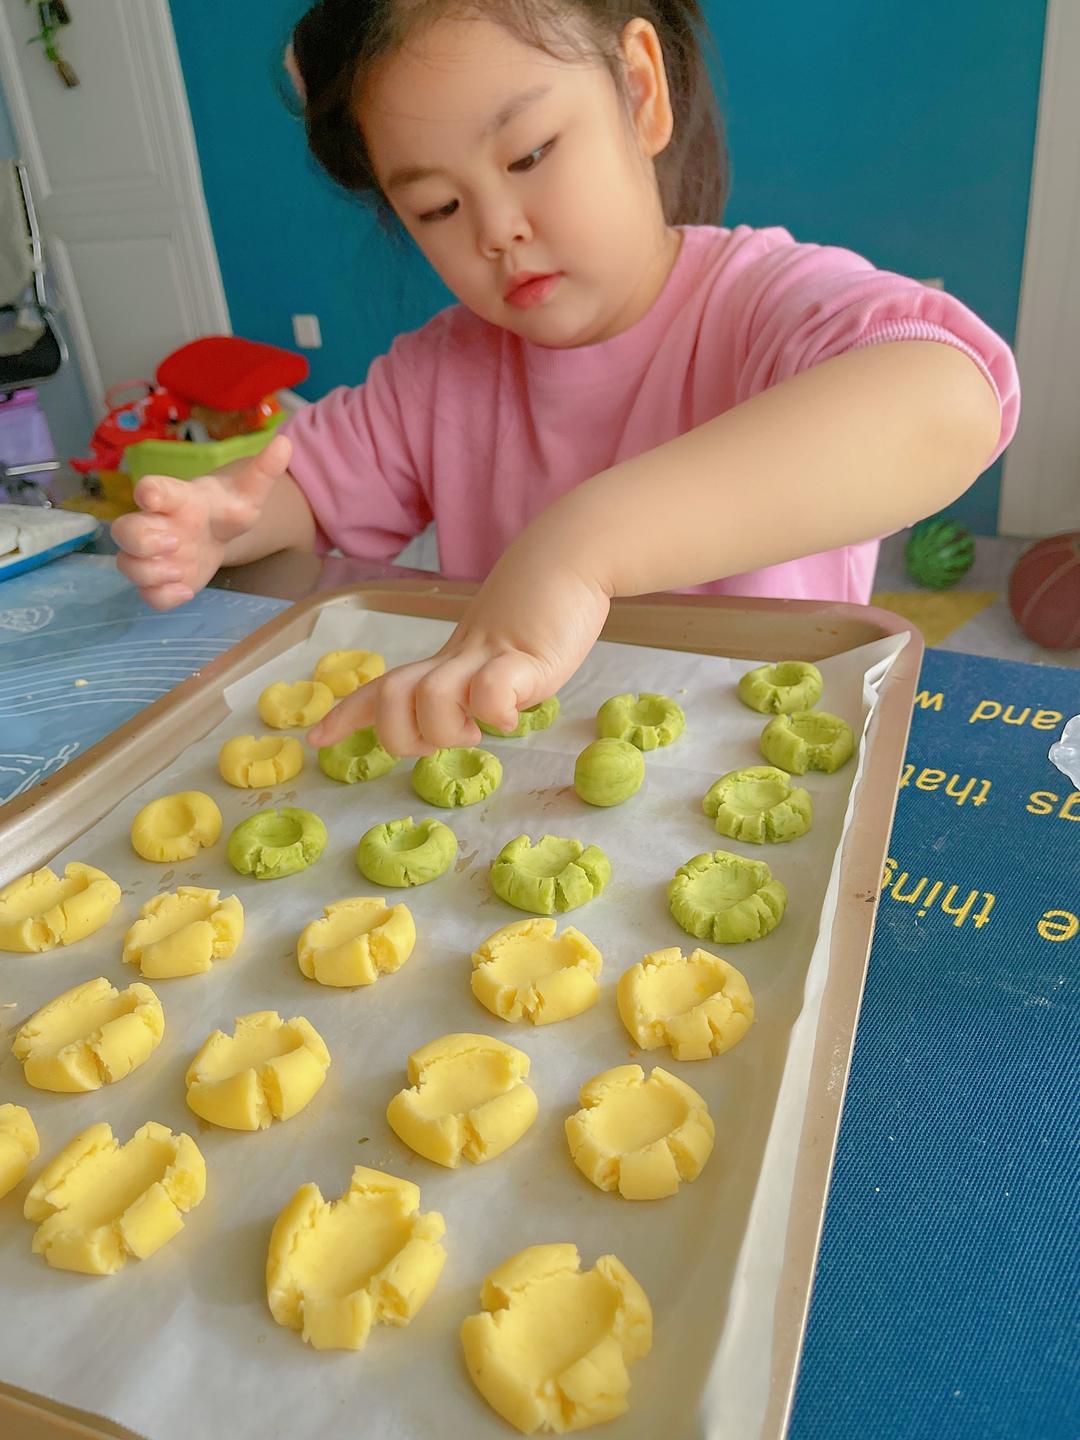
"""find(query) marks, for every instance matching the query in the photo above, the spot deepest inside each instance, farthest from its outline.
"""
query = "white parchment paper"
(183, 1345)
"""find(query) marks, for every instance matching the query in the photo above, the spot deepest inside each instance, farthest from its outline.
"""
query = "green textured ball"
(939, 553)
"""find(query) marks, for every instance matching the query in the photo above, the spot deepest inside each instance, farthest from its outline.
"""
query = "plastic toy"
(939, 553)
(1044, 591)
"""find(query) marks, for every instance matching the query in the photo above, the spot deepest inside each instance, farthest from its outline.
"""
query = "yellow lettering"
(905, 775)
(929, 779)
(1052, 719)
(980, 799)
(985, 710)
(1041, 802)
(1071, 809)
(931, 897)
(1058, 925)
(887, 877)
(964, 910)
(928, 701)
(913, 895)
(961, 795)
(1020, 719)
(984, 914)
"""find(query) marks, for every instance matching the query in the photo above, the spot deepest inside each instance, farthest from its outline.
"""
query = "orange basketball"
(1044, 592)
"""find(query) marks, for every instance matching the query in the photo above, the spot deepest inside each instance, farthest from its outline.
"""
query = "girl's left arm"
(852, 449)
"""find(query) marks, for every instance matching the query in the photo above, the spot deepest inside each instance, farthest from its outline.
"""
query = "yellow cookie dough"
(468, 1099)
(640, 1137)
(525, 971)
(19, 1145)
(344, 671)
(175, 827)
(98, 1203)
(90, 1036)
(40, 910)
(183, 932)
(699, 1005)
(268, 1069)
(356, 941)
(552, 1349)
(335, 1268)
(258, 762)
(283, 706)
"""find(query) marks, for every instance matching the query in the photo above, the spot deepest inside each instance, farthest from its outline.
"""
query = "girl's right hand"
(177, 541)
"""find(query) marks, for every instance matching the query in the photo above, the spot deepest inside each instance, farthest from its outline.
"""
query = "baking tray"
(36, 826)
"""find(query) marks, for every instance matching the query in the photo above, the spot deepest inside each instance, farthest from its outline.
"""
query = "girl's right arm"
(185, 530)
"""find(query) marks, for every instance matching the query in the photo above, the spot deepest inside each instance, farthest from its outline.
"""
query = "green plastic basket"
(188, 459)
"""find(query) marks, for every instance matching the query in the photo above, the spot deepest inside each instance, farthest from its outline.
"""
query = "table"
(945, 1302)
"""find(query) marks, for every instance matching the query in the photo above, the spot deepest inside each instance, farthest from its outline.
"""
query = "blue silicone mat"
(945, 1303)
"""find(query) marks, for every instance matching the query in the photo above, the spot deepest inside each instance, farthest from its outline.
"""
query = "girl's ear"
(647, 86)
(292, 69)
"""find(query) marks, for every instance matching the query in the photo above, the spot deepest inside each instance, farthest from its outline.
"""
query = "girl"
(627, 399)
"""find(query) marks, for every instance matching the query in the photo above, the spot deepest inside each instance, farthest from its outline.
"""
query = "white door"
(115, 177)
(1040, 491)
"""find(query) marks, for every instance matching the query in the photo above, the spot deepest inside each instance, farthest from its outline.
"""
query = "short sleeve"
(795, 306)
(354, 458)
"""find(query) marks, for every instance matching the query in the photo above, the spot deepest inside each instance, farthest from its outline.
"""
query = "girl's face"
(523, 179)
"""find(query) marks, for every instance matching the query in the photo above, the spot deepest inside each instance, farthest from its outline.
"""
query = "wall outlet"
(306, 332)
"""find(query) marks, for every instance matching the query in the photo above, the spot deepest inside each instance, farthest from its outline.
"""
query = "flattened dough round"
(759, 804)
(648, 720)
(356, 941)
(555, 874)
(41, 909)
(19, 1145)
(253, 762)
(453, 778)
(285, 707)
(467, 1100)
(526, 971)
(779, 689)
(697, 1004)
(267, 1069)
(552, 1348)
(274, 843)
(335, 1268)
(808, 740)
(183, 931)
(358, 757)
(721, 897)
(400, 853)
(175, 827)
(91, 1035)
(536, 717)
(640, 1136)
(344, 671)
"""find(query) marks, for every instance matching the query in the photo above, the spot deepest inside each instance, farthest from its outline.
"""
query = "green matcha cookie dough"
(358, 757)
(807, 740)
(536, 717)
(554, 874)
(456, 777)
(608, 772)
(758, 804)
(274, 843)
(646, 720)
(400, 853)
(780, 689)
(726, 899)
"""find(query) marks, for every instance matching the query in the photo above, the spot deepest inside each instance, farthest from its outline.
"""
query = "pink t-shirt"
(468, 425)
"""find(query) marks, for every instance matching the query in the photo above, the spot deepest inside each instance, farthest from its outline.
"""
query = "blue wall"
(903, 130)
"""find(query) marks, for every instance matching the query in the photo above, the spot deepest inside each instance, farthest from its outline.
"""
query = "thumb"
(254, 481)
(504, 686)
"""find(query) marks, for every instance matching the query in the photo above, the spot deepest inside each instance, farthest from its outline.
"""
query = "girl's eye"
(443, 213)
(530, 161)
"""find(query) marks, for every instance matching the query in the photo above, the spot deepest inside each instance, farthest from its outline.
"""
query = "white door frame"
(166, 108)
(1040, 488)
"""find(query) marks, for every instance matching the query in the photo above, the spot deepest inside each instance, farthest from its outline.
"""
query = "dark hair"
(337, 42)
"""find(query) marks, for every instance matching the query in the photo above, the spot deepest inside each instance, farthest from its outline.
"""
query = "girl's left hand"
(526, 632)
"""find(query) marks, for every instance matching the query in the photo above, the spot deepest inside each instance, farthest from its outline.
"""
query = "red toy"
(224, 382)
(1044, 592)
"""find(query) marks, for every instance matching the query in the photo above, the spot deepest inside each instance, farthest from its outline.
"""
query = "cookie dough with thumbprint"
(358, 757)
(648, 720)
(344, 671)
(260, 762)
(808, 740)
(780, 689)
(723, 898)
(536, 717)
(287, 707)
(452, 778)
(401, 853)
(274, 843)
(175, 827)
(91, 1035)
(758, 804)
(19, 1145)
(555, 874)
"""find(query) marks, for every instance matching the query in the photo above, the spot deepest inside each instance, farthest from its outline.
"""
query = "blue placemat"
(80, 653)
(945, 1304)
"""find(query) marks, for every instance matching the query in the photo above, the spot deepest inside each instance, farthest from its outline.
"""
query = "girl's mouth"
(527, 289)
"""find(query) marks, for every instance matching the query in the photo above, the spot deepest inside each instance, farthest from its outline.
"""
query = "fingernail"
(169, 544)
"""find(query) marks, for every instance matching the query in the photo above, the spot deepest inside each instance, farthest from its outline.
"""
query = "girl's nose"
(501, 226)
